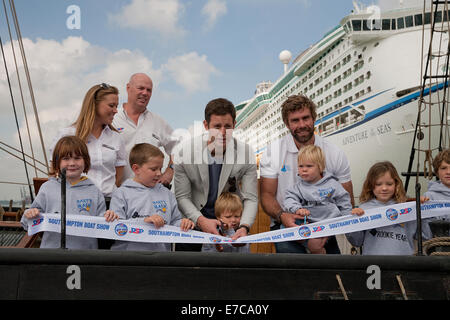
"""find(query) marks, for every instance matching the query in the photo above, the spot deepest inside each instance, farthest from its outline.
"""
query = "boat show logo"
(304, 232)
(37, 221)
(405, 211)
(215, 239)
(136, 230)
(121, 229)
(391, 214)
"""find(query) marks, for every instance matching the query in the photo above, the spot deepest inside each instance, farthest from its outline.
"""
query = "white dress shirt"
(150, 128)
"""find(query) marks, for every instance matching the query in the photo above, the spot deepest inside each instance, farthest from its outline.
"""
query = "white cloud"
(61, 73)
(152, 15)
(213, 9)
(191, 71)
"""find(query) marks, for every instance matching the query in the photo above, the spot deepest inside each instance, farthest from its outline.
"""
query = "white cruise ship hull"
(387, 133)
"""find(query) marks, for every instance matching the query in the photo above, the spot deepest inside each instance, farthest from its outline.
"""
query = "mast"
(430, 76)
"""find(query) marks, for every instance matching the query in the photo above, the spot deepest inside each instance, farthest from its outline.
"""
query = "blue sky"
(195, 51)
(239, 49)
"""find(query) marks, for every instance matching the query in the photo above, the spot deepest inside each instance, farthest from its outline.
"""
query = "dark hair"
(69, 146)
(297, 102)
(221, 107)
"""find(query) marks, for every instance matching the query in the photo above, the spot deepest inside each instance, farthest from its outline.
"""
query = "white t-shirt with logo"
(279, 161)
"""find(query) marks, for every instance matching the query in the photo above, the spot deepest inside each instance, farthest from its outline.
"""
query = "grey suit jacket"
(191, 180)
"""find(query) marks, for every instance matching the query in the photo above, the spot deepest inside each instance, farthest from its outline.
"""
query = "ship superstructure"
(365, 78)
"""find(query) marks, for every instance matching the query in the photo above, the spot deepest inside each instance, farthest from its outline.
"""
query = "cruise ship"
(365, 76)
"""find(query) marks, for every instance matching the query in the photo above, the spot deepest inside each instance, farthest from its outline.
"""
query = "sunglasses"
(103, 86)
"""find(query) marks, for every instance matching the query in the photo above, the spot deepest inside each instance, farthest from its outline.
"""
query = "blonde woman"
(105, 145)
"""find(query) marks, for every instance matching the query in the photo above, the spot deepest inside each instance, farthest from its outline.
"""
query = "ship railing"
(341, 119)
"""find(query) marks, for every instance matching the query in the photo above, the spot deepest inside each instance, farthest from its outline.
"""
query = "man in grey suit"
(212, 163)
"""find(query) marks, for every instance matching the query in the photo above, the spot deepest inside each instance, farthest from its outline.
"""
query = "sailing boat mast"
(431, 76)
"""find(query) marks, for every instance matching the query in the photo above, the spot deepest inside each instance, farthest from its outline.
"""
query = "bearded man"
(279, 167)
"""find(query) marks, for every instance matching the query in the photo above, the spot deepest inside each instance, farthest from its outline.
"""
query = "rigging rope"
(15, 116)
(20, 88)
(427, 107)
(27, 73)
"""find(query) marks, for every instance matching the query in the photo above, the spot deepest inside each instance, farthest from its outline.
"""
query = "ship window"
(427, 19)
(418, 19)
(386, 24)
(400, 23)
(365, 25)
(446, 15)
(438, 16)
(393, 24)
(356, 25)
(409, 21)
(376, 24)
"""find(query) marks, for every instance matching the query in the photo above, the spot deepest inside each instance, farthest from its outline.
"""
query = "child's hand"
(186, 224)
(32, 213)
(358, 211)
(110, 216)
(424, 199)
(158, 221)
(302, 212)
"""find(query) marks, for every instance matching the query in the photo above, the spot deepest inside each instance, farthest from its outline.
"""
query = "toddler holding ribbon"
(228, 210)
(82, 196)
(316, 196)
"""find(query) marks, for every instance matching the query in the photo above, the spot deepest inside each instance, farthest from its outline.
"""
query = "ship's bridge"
(370, 24)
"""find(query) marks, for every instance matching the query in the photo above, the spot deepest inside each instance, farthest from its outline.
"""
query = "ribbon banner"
(97, 227)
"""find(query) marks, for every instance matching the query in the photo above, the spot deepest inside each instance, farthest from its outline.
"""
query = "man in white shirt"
(137, 124)
(279, 166)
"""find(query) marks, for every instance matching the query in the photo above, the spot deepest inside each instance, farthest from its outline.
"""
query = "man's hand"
(288, 219)
(241, 232)
(208, 225)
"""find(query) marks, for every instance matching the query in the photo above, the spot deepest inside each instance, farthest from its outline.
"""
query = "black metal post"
(63, 208)
(419, 221)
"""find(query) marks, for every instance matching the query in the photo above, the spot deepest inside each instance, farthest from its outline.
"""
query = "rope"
(27, 73)
(436, 242)
(15, 116)
(20, 87)
(428, 165)
(424, 116)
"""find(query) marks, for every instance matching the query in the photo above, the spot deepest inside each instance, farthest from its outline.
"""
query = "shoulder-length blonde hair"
(375, 172)
(85, 121)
